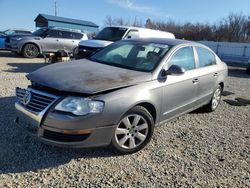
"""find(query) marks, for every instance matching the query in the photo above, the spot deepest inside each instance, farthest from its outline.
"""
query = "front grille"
(61, 137)
(88, 50)
(38, 101)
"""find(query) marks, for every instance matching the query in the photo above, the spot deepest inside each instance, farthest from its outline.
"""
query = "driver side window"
(132, 34)
(184, 58)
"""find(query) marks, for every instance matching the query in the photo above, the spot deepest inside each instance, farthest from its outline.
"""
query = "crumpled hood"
(87, 77)
(95, 43)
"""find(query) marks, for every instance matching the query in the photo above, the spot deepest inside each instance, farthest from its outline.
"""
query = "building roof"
(66, 20)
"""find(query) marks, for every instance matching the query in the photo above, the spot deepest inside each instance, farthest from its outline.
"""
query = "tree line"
(233, 28)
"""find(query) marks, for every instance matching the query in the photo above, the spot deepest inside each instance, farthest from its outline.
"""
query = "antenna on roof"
(55, 8)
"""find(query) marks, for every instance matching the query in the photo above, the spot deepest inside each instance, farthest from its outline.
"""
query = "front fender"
(117, 103)
(23, 43)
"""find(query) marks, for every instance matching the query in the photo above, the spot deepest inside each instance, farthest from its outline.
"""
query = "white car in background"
(108, 35)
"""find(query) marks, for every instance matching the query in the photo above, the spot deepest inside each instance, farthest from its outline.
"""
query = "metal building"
(44, 20)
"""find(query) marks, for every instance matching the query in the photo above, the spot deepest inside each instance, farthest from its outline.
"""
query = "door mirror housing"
(173, 70)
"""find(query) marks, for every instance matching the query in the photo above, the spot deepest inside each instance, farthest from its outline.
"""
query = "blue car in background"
(11, 33)
(2, 40)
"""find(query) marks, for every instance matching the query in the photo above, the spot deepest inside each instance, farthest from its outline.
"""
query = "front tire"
(215, 101)
(30, 51)
(133, 132)
(75, 52)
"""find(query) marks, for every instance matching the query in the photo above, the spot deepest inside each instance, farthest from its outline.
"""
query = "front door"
(52, 42)
(179, 91)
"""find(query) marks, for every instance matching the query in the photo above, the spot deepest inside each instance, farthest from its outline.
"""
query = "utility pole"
(55, 8)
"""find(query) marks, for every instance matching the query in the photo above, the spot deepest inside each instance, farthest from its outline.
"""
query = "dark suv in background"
(46, 40)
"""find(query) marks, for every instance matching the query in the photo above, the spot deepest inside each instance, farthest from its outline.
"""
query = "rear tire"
(133, 132)
(215, 101)
(30, 51)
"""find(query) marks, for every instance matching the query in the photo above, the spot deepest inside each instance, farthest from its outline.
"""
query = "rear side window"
(66, 35)
(71, 35)
(184, 58)
(206, 57)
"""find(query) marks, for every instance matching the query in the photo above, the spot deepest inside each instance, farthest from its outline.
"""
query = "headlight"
(80, 106)
(17, 39)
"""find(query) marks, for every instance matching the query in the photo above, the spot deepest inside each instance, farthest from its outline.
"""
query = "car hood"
(20, 35)
(87, 77)
(95, 43)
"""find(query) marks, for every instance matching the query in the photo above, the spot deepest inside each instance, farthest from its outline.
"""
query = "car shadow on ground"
(20, 152)
(24, 67)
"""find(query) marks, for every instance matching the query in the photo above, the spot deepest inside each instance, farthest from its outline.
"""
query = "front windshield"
(111, 33)
(39, 32)
(140, 56)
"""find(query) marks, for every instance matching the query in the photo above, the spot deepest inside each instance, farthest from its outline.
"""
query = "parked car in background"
(2, 40)
(46, 40)
(118, 95)
(108, 35)
(5, 35)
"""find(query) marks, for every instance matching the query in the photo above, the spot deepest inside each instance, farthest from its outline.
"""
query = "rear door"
(70, 40)
(207, 74)
(179, 91)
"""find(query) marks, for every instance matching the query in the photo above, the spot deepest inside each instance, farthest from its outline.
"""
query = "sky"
(21, 13)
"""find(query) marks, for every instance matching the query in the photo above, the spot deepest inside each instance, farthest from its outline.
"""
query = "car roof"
(138, 28)
(172, 42)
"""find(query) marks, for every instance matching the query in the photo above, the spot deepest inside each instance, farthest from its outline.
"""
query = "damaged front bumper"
(33, 115)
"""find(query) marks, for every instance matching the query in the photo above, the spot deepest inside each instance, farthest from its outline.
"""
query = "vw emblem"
(27, 97)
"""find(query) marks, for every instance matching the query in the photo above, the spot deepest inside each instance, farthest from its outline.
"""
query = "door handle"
(57, 40)
(73, 41)
(195, 81)
(215, 74)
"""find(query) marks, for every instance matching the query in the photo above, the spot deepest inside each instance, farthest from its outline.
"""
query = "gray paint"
(171, 96)
(45, 44)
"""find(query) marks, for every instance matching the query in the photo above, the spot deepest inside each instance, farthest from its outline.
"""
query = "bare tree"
(108, 21)
(234, 28)
(150, 24)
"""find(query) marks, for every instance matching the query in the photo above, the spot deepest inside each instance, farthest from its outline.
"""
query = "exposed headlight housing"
(80, 106)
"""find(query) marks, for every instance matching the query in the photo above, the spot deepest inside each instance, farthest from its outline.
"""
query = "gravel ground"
(194, 150)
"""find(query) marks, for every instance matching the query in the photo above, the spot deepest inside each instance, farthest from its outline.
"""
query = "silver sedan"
(118, 95)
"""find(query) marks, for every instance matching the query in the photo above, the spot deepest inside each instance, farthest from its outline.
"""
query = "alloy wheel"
(31, 50)
(132, 131)
(216, 98)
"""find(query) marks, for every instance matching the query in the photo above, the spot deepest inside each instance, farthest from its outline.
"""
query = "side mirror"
(173, 70)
